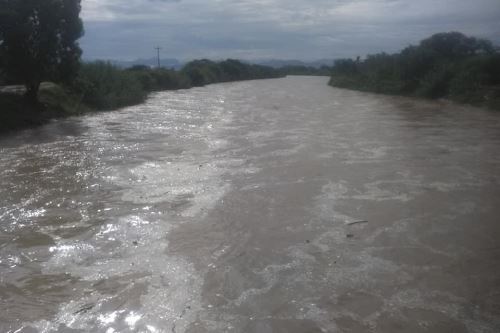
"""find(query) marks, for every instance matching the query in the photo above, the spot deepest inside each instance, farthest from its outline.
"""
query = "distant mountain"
(151, 62)
(177, 64)
(278, 63)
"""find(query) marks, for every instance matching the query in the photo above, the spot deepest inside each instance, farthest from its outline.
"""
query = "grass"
(54, 102)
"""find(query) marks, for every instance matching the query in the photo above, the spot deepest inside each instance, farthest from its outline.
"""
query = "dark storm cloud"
(303, 29)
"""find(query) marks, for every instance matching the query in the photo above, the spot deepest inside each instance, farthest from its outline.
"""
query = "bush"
(450, 65)
(477, 81)
(203, 72)
(54, 102)
(104, 86)
(165, 79)
(436, 83)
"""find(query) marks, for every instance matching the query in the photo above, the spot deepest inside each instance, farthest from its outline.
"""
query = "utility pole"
(158, 53)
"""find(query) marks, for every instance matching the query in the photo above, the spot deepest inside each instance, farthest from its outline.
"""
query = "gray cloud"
(302, 29)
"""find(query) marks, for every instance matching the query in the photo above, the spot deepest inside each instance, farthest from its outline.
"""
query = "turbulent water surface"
(262, 206)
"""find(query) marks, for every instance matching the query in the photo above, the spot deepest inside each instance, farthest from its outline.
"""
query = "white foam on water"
(137, 258)
(155, 291)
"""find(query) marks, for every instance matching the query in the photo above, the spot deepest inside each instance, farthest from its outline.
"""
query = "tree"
(38, 40)
(452, 45)
(234, 70)
(345, 67)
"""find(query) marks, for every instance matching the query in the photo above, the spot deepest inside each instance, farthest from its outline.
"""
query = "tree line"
(39, 43)
(445, 65)
(104, 86)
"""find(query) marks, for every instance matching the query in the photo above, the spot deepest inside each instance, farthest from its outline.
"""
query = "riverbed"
(280, 205)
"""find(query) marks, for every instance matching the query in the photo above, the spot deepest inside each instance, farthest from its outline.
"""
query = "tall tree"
(38, 40)
(452, 45)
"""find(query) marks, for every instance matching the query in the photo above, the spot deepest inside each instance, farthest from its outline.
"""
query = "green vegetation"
(106, 87)
(446, 65)
(203, 72)
(101, 86)
(54, 101)
(38, 41)
(160, 78)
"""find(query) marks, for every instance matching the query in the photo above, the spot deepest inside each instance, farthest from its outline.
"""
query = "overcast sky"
(284, 29)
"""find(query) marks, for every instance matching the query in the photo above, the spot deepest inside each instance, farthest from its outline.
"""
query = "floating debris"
(356, 222)
(85, 308)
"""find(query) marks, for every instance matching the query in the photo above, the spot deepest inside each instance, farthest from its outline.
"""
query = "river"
(263, 206)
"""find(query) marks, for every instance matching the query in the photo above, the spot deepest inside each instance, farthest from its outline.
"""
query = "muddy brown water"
(231, 208)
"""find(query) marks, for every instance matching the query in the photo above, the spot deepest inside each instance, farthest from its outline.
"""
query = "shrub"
(104, 86)
(449, 65)
(436, 83)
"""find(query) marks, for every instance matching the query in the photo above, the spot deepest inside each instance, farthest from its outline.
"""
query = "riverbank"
(100, 86)
(54, 102)
(485, 97)
(446, 65)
